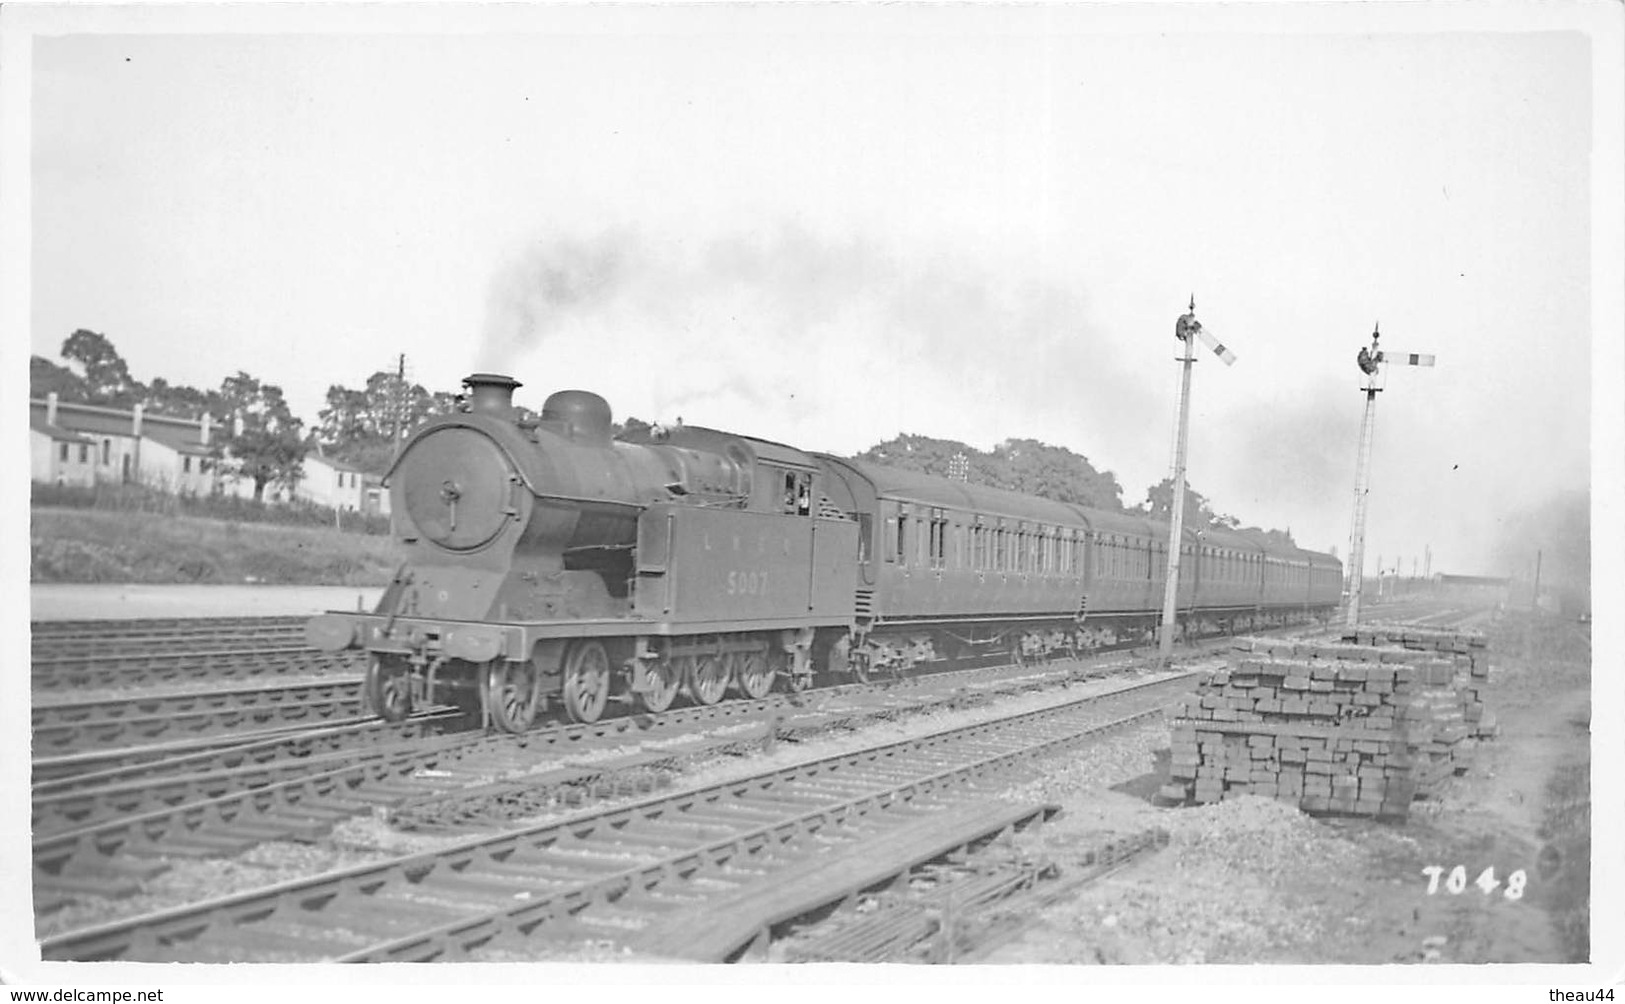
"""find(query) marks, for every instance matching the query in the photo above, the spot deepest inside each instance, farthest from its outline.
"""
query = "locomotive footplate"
(475, 641)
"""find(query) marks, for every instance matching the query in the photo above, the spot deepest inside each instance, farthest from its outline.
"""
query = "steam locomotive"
(550, 563)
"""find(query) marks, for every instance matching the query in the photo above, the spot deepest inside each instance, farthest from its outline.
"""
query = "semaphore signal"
(1187, 329)
(1370, 361)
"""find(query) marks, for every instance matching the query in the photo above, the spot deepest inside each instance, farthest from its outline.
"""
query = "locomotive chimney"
(491, 394)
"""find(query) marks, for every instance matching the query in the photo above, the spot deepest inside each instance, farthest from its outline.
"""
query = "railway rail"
(116, 670)
(68, 637)
(739, 853)
(61, 727)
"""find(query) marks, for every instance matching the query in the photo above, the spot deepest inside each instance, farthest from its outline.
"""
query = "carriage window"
(902, 538)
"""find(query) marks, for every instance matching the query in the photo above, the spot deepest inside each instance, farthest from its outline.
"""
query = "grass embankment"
(87, 545)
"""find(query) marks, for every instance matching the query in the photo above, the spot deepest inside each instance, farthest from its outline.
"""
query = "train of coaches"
(550, 565)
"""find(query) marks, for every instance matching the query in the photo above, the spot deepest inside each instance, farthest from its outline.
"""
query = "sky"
(827, 226)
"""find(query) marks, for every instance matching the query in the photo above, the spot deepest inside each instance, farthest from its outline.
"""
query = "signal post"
(1371, 361)
(1187, 329)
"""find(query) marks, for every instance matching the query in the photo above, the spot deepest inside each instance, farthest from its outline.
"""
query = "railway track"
(703, 873)
(87, 771)
(116, 670)
(64, 727)
(87, 826)
(52, 639)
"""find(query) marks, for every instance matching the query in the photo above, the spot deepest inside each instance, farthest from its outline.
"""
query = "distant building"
(374, 497)
(332, 483)
(85, 444)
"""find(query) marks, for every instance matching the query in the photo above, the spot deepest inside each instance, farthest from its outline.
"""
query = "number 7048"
(1456, 882)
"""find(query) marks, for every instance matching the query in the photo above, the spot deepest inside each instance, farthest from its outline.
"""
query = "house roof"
(37, 423)
(333, 462)
(183, 435)
(179, 434)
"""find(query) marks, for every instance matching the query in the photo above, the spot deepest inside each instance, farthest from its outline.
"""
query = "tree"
(908, 452)
(268, 448)
(1021, 465)
(107, 380)
(105, 373)
(1159, 505)
(633, 429)
(361, 425)
(46, 377)
(178, 400)
(1055, 472)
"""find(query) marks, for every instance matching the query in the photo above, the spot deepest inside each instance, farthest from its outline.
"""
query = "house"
(87, 444)
(374, 495)
(331, 482)
(59, 456)
(73, 443)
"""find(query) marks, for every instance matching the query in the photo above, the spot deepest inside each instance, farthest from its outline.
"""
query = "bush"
(142, 498)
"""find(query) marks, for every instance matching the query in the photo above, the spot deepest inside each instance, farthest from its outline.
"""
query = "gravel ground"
(1256, 881)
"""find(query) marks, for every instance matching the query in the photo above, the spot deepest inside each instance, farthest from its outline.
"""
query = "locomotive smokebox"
(584, 415)
(491, 394)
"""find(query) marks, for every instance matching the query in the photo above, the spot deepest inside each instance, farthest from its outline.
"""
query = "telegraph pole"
(399, 399)
(1370, 361)
(1187, 329)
